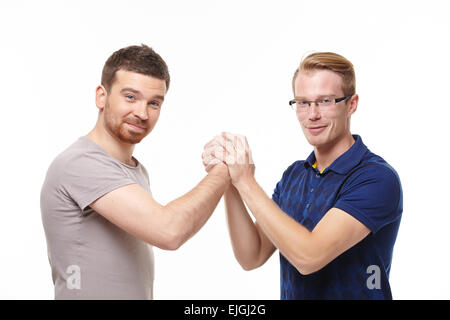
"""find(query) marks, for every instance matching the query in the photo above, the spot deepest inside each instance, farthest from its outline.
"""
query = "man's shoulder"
(75, 151)
(60, 165)
(373, 168)
(377, 165)
(80, 156)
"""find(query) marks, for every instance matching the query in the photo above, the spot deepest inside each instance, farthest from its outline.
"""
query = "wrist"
(220, 170)
(244, 183)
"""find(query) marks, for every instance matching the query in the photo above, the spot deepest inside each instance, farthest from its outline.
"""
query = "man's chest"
(307, 198)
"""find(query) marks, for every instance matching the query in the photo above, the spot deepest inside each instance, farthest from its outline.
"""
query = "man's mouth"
(135, 127)
(316, 129)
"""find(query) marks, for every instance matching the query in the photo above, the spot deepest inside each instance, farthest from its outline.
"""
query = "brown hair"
(330, 61)
(141, 59)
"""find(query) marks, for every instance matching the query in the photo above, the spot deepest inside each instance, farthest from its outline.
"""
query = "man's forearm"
(291, 238)
(243, 233)
(190, 212)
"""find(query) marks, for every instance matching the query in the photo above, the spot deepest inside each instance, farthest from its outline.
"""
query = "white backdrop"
(231, 64)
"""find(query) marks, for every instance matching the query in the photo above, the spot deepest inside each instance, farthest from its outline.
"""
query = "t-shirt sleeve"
(276, 192)
(373, 196)
(87, 177)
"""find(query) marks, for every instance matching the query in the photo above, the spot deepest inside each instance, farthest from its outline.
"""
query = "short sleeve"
(276, 192)
(87, 177)
(373, 195)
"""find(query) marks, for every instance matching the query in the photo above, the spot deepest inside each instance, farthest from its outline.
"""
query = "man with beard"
(98, 213)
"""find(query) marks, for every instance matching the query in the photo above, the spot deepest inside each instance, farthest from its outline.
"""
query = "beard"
(120, 130)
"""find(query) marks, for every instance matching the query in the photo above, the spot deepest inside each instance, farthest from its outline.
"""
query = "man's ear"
(100, 97)
(353, 104)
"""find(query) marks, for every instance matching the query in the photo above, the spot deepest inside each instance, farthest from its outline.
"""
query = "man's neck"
(325, 155)
(117, 149)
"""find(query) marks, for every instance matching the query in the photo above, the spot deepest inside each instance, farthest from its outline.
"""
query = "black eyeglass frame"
(291, 102)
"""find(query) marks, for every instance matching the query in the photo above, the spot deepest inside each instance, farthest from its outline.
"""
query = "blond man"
(334, 217)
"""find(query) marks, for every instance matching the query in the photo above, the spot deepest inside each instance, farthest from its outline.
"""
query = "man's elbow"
(248, 267)
(174, 233)
(249, 264)
(172, 245)
(305, 270)
(169, 240)
(174, 241)
(308, 266)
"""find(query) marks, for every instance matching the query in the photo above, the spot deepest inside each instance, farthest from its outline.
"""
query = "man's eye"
(325, 100)
(130, 97)
(303, 103)
(155, 104)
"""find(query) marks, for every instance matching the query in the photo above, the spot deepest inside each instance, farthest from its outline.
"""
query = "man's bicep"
(373, 196)
(134, 210)
(335, 233)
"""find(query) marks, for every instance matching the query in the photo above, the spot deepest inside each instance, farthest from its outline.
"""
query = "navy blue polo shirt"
(363, 185)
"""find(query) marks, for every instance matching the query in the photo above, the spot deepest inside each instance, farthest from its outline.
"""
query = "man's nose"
(141, 111)
(313, 111)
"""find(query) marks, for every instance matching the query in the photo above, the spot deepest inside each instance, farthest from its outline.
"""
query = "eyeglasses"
(323, 103)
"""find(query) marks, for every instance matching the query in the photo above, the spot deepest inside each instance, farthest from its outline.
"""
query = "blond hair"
(330, 61)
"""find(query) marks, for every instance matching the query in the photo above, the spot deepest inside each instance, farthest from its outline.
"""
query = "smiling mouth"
(315, 130)
(135, 127)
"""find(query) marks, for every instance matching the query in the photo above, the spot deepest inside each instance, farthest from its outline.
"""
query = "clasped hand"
(234, 151)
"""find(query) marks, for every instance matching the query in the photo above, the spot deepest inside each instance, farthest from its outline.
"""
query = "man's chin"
(315, 141)
(131, 138)
(131, 141)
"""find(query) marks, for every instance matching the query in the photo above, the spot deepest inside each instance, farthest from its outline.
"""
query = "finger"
(229, 141)
(219, 140)
(210, 143)
(239, 145)
(237, 140)
(220, 153)
(224, 152)
(210, 161)
(211, 146)
(213, 158)
(243, 150)
(230, 156)
(206, 160)
(220, 149)
(229, 150)
(214, 161)
(211, 164)
(217, 151)
(238, 148)
(227, 137)
(249, 156)
(213, 141)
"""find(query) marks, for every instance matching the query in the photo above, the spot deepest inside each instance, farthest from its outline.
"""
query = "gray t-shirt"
(90, 257)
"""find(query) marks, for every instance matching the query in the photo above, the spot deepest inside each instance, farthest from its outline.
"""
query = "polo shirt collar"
(347, 160)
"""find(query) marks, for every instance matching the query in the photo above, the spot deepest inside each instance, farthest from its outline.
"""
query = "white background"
(231, 64)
